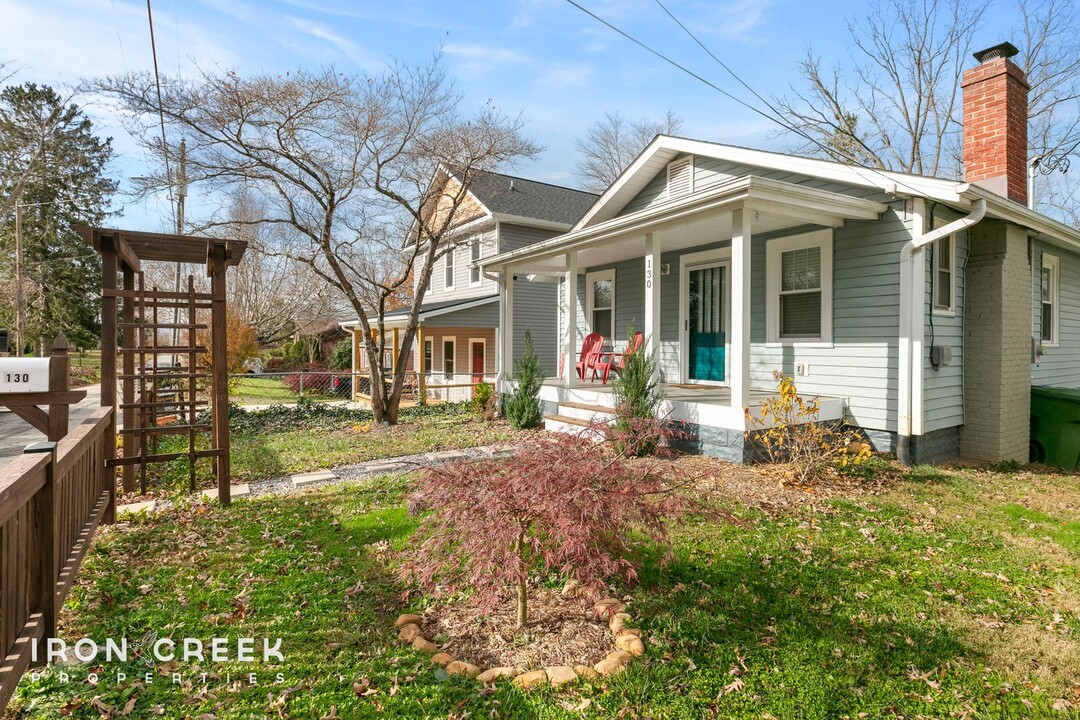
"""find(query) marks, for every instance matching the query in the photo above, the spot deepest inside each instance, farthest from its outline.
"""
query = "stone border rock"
(627, 640)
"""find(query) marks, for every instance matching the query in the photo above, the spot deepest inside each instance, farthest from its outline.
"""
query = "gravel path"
(287, 484)
(359, 471)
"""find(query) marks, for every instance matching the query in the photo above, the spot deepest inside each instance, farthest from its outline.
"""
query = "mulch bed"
(764, 486)
(561, 631)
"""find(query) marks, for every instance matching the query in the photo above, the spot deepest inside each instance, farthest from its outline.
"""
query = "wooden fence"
(51, 504)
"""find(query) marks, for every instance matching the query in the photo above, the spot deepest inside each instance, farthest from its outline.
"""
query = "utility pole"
(181, 194)
(19, 312)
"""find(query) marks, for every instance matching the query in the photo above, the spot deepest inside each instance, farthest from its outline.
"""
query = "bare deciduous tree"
(612, 143)
(897, 108)
(345, 164)
(897, 104)
(272, 293)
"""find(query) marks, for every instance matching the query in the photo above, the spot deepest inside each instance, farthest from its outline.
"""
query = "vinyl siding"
(437, 291)
(512, 237)
(710, 172)
(1059, 366)
(943, 389)
(861, 365)
(534, 310)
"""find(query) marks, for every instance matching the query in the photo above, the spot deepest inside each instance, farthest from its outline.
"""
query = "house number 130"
(17, 377)
(648, 273)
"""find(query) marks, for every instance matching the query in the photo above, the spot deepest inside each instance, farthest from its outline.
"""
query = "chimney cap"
(1002, 50)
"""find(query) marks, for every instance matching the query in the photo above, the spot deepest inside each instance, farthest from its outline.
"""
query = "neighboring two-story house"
(457, 336)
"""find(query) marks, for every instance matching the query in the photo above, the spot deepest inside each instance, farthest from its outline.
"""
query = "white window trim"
(590, 278)
(429, 369)
(773, 251)
(478, 241)
(1052, 263)
(949, 311)
(442, 357)
(449, 262)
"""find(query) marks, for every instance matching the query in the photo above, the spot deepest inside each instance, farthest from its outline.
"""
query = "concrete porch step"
(571, 426)
(587, 412)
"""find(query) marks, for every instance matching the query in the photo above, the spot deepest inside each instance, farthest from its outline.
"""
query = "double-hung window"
(448, 269)
(474, 257)
(600, 302)
(945, 275)
(448, 359)
(428, 352)
(799, 288)
(1050, 299)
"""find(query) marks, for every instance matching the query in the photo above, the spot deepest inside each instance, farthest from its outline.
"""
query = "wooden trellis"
(149, 387)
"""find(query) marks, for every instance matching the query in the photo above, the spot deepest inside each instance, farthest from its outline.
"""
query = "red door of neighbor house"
(477, 362)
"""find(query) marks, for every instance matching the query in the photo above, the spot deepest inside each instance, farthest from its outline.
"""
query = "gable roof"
(664, 148)
(516, 197)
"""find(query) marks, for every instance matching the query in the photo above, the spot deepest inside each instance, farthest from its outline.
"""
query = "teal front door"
(706, 323)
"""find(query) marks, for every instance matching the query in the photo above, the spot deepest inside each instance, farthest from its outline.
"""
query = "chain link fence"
(277, 388)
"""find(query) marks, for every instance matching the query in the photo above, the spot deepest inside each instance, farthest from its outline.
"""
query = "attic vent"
(680, 177)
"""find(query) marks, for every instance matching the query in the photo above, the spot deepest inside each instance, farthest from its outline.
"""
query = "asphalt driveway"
(16, 433)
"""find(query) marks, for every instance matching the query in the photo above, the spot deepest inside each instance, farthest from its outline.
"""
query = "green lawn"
(953, 594)
(287, 440)
(268, 391)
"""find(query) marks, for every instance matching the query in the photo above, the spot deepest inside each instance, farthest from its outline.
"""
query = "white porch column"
(740, 309)
(570, 346)
(506, 329)
(652, 294)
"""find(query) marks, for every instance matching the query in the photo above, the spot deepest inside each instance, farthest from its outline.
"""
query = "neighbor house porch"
(725, 285)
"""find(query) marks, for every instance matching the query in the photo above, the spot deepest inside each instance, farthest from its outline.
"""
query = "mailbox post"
(26, 384)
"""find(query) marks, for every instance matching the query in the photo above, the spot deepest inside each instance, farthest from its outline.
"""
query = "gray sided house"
(458, 342)
(921, 310)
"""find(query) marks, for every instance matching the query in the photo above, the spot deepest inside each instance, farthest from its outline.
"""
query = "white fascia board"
(665, 147)
(1005, 209)
(530, 222)
(817, 206)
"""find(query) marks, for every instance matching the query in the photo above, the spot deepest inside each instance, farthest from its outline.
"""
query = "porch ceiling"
(697, 220)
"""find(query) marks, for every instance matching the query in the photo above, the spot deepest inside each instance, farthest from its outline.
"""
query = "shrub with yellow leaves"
(785, 430)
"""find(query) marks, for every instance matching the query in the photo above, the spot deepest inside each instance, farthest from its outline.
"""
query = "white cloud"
(733, 20)
(566, 75)
(483, 53)
(353, 51)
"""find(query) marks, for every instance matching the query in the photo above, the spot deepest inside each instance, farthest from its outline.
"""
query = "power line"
(772, 118)
(161, 109)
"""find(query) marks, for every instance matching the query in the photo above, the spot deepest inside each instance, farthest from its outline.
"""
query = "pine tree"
(54, 166)
(523, 408)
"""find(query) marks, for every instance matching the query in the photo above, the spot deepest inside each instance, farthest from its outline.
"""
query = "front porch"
(714, 426)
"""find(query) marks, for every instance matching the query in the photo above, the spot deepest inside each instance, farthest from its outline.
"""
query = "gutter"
(912, 313)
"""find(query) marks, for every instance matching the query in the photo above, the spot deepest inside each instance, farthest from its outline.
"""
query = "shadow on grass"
(753, 621)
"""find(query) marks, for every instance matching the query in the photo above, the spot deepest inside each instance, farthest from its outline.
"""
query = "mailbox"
(22, 375)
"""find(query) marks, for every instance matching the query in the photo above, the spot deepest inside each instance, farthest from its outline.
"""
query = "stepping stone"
(138, 507)
(313, 477)
(384, 467)
(237, 491)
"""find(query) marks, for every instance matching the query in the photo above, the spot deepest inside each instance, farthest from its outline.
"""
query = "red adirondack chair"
(590, 352)
(607, 362)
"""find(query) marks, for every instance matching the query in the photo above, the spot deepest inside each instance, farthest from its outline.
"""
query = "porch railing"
(51, 504)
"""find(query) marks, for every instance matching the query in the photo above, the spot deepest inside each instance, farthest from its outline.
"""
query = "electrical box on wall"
(940, 355)
(802, 368)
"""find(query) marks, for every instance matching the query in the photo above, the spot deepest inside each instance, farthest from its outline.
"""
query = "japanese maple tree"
(562, 504)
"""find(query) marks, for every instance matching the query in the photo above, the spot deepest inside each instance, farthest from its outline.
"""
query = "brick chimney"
(995, 123)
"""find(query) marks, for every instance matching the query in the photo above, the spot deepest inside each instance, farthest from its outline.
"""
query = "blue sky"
(545, 58)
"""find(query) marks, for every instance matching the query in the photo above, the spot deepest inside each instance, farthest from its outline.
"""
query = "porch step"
(588, 413)
(571, 426)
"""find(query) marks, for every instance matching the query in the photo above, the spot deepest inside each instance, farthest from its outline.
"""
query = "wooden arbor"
(163, 376)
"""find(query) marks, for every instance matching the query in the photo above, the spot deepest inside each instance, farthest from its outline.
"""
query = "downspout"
(912, 302)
